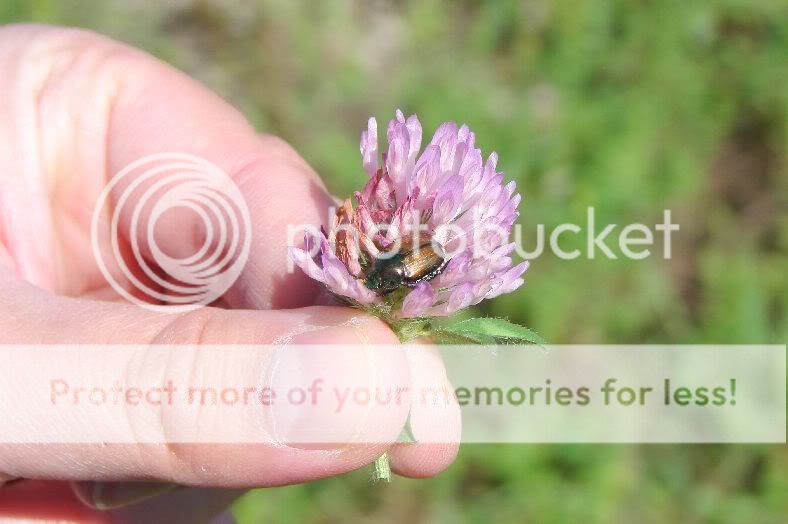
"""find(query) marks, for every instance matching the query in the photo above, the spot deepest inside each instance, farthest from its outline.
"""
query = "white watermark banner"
(294, 395)
(622, 393)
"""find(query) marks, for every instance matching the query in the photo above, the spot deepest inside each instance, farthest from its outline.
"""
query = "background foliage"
(631, 107)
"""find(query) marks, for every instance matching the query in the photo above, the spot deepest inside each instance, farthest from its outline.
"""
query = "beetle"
(406, 268)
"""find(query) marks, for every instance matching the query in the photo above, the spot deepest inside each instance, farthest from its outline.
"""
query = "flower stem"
(406, 330)
(382, 470)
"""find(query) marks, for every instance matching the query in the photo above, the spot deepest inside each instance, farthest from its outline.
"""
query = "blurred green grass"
(630, 107)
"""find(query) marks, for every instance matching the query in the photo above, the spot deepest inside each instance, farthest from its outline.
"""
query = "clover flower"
(428, 237)
(430, 231)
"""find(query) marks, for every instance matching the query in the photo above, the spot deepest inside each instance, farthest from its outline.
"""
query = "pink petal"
(511, 280)
(369, 147)
(418, 301)
(460, 298)
(448, 201)
(454, 270)
(425, 175)
(414, 132)
(302, 259)
(361, 294)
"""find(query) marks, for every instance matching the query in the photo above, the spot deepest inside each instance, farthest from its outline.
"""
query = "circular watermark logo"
(142, 193)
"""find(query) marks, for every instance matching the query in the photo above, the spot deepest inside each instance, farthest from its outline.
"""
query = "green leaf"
(492, 331)
(448, 337)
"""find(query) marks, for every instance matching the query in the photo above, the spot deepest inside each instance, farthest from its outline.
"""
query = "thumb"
(73, 439)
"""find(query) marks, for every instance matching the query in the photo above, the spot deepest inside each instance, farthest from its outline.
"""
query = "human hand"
(78, 108)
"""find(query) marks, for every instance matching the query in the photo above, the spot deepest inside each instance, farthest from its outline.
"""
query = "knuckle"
(276, 145)
(170, 360)
(190, 427)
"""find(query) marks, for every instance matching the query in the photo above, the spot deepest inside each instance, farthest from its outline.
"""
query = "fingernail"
(435, 417)
(111, 495)
(334, 388)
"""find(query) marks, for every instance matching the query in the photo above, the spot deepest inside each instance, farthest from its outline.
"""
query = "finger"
(264, 457)
(434, 417)
(44, 501)
(53, 501)
(432, 420)
(145, 502)
(112, 495)
(186, 505)
(5, 478)
(131, 106)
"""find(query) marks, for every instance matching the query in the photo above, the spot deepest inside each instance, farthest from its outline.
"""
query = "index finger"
(104, 106)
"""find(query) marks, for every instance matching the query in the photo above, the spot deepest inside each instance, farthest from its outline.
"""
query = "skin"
(79, 107)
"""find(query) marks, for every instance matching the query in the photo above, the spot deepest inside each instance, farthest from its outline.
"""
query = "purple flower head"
(430, 232)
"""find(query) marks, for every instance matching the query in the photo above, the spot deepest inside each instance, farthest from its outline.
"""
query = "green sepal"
(411, 328)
